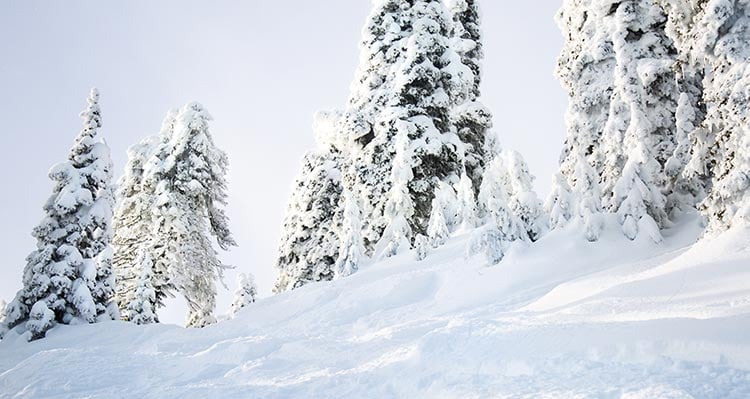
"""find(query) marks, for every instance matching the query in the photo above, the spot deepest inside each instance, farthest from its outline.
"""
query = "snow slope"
(562, 318)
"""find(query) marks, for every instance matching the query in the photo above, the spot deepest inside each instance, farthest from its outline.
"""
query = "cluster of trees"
(412, 157)
(104, 255)
(657, 122)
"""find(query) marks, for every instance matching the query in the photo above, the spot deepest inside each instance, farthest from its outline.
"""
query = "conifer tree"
(558, 205)
(246, 293)
(69, 278)
(309, 244)
(502, 227)
(189, 196)
(351, 251)
(466, 202)
(399, 207)
(132, 223)
(141, 309)
(437, 230)
(523, 200)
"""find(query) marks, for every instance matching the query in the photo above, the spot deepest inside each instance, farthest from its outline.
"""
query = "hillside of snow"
(561, 318)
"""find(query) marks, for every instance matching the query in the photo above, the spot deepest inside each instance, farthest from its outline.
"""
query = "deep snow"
(562, 318)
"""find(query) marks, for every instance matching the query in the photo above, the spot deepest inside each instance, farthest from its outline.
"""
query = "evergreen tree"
(189, 196)
(523, 201)
(246, 293)
(132, 222)
(559, 206)
(646, 81)
(310, 244)
(422, 246)
(502, 227)
(69, 278)
(473, 121)
(351, 251)
(722, 38)
(141, 309)
(586, 189)
(437, 230)
(399, 207)
(467, 209)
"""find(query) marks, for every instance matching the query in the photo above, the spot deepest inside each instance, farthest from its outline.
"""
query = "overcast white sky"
(262, 68)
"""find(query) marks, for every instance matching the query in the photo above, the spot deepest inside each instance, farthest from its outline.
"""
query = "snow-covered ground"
(562, 318)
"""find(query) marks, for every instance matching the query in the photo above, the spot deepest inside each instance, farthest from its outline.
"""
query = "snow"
(561, 318)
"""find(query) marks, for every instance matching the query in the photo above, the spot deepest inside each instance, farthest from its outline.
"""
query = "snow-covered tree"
(588, 194)
(466, 204)
(722, 38)
(559, 203)
(523, 200)
(437, 229)
(585, 68)
(309, 244)
(351, 251)
(69, 277)
(132, 221)
(422, 247)
(189, 172)
(141, 309)
(399, 207)
(473, 121)
(646, 81)
(246, 292)
(502, 226)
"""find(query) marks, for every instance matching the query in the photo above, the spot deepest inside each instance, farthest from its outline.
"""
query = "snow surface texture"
(560, 318)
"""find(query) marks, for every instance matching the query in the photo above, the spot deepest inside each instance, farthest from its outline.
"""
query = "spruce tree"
(467, 204)
(69, 277)
(559, 205)
(246, 293)
(309, 244)
(190, 193)
(351, 251)
(502, 226)
(141, 308)
(399, 207)
(722, 38)
(132, 222)
(523, 200)
(437, 229)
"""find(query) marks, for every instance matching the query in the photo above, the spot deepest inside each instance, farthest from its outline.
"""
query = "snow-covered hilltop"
(416, 260)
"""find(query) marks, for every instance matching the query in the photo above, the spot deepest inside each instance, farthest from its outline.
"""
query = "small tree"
(559, 204)
(246, 292)
(467, 208)
(142, 307)
(437, 229)
(523, 201)
(351, 251)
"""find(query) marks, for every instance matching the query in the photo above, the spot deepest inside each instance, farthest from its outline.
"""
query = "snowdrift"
(562, 318)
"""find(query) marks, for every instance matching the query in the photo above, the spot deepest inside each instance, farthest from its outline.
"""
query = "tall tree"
(69, 277)
(190, 194)
(309, 244)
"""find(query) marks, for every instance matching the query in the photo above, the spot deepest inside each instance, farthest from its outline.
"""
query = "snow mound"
(562, 318)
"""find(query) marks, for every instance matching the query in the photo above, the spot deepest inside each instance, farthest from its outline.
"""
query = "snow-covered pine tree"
(381, 49)
(351, 250)
(585, 68)
(141, 308)
(189, 200)
(473, 121)
(421, 99)
(309, 244)
(437, 229)
(132, 223)
(69, 277)
(399, 207)
(686, 188)
(722, 39)
(523, 201)
(586, 188)
(246, 292)
(466, 205)
(502, 226)
(422, 247)
(558, 205)
(646, 81)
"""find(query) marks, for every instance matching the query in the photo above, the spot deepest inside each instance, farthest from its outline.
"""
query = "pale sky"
(262, 68)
